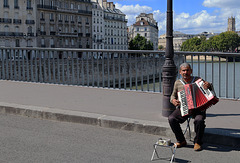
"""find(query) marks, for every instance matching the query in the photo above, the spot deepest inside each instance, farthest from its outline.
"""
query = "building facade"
(17, 23)
(98, 26)
(178, 39)
(46, 23)
(147, 27)
(93, 24)
(115, 25)
(64, 24)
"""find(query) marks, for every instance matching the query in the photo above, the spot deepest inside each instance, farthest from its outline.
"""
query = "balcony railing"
(30, 22)
(40, 6)
(52, 33)
(5, 20)
(67, 34)
(17, 21)
(116, 69)
(12, 34)
(115, 18)
(85, 12)
(30, 34)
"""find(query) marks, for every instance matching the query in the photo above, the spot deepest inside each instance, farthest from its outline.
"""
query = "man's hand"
(175, 102)
(206, 85)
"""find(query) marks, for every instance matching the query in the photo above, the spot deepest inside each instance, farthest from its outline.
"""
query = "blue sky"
(190, 16)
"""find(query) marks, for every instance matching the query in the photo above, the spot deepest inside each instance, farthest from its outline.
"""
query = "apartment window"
(29, 43)
(41, 2)
(30, 29)
(7, 43)
(66, 42)
(51, 28)
(51, 17)
(66, 18)
(51, 42)
(72, 6)
(66, 29)
(29, 4)
(87, 21)
(66, 5)
(72, 41)
(6, 28)
(60, 17)
(17, 43)
(42, 16)
(51, 3)
(72, 18)
(42, 42)
(16, 4)
(42, 28)
(5, 3)
(79, 19)
(17, 29)
(145, 34)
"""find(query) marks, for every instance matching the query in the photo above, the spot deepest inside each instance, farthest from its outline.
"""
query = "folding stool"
(155, 152)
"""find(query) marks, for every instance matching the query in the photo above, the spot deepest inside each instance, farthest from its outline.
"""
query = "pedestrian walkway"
(130, 110)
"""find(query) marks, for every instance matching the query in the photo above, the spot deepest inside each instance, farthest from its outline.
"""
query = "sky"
(189, 16)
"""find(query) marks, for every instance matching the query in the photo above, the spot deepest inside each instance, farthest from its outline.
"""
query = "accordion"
(194, 96)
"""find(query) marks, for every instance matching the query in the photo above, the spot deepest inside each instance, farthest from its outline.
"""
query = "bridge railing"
(113, 69)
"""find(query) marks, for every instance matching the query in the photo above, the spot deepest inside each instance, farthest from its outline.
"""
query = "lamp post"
(169, 68)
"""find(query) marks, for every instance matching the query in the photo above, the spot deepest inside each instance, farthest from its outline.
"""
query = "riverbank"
(202, 58)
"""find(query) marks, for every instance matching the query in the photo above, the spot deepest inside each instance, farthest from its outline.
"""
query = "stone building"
(178, 39)
(18, 23)
(46, 23)
(98, 26)
(115, 26)
(147, 27)
(231, 24)
(64, 24)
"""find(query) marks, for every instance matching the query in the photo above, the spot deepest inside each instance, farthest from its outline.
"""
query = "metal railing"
(217, 68)
(115, 69)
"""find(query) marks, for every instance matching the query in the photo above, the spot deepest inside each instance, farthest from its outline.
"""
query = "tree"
(226, 41)
(194, 44)
(160, 47)
(140, 43)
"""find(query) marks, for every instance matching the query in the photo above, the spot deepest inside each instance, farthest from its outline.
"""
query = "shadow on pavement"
(217, 148)
(221, 115)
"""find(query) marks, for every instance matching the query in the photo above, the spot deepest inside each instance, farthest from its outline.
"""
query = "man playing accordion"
(175, 119)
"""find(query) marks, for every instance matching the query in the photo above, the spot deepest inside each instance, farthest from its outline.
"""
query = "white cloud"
(132, 11)
(212, 21)
(198, 22)
(222, 3)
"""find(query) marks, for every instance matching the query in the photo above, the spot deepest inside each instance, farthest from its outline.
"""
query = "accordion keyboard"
(183, 103)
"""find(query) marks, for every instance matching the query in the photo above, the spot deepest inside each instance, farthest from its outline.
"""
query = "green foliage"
(226, 41)
(140, 43)
(160, 47)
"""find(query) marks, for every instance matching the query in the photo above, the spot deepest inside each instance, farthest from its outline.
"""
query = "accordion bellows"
(194, 96)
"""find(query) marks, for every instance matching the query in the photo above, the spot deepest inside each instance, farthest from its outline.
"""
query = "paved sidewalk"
(129, 110)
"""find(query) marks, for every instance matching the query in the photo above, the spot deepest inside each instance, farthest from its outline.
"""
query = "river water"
(225, 79)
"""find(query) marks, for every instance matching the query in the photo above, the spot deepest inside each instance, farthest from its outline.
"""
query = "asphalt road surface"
(29, 140)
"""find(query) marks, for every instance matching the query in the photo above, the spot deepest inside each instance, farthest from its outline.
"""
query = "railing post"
(169, 68)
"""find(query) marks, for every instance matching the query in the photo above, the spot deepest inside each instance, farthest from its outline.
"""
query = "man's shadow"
(208, 147)
(221, 115)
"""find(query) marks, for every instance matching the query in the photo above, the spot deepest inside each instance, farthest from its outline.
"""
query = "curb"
(213, 136)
